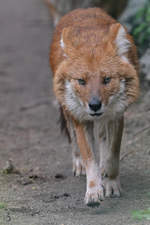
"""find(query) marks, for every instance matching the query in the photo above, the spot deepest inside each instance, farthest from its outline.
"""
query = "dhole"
(95, 79)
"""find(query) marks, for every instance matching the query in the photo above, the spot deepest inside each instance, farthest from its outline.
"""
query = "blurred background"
(36, 182)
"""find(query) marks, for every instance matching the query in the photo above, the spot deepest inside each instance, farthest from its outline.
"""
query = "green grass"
(141, 214)
(2, 205)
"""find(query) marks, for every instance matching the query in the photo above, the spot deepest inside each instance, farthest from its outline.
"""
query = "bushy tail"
(53, 11)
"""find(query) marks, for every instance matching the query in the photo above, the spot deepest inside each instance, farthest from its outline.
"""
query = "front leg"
(109, 157)
(94, 191)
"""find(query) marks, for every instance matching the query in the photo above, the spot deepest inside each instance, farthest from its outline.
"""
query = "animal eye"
(81, 81)
(106, 80)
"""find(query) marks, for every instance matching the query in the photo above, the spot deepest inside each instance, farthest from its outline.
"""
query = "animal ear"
(121, 40)
(63, 38)
(66, 42)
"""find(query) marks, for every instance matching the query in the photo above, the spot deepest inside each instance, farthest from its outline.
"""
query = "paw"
(94, 196)
(78, 166)
(112, 187)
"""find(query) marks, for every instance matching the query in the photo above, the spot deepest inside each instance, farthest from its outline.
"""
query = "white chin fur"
(116, 106)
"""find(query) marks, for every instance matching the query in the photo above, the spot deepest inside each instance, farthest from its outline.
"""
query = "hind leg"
(78, 167)
(109, 158)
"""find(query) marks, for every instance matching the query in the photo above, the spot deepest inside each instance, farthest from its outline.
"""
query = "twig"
(35, 104)
(136, 135)
(126, 154)
(138, 114)
(53, 11)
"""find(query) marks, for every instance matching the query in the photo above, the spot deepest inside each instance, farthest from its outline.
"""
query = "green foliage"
(141, 214)
(2, 205)
(141, 28)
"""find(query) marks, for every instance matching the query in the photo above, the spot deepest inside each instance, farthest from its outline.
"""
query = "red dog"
(95, 79)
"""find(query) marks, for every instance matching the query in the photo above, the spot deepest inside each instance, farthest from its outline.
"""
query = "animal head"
(96, 76)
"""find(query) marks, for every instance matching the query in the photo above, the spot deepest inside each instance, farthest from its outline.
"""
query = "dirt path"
(45, 192)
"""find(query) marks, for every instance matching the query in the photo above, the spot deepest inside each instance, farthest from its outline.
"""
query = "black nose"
(95, 104)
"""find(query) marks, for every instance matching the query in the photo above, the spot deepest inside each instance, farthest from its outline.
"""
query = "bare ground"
(43, 190)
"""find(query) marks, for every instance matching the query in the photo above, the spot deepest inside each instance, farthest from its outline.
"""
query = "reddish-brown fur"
(89, 35)
(89, 52)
